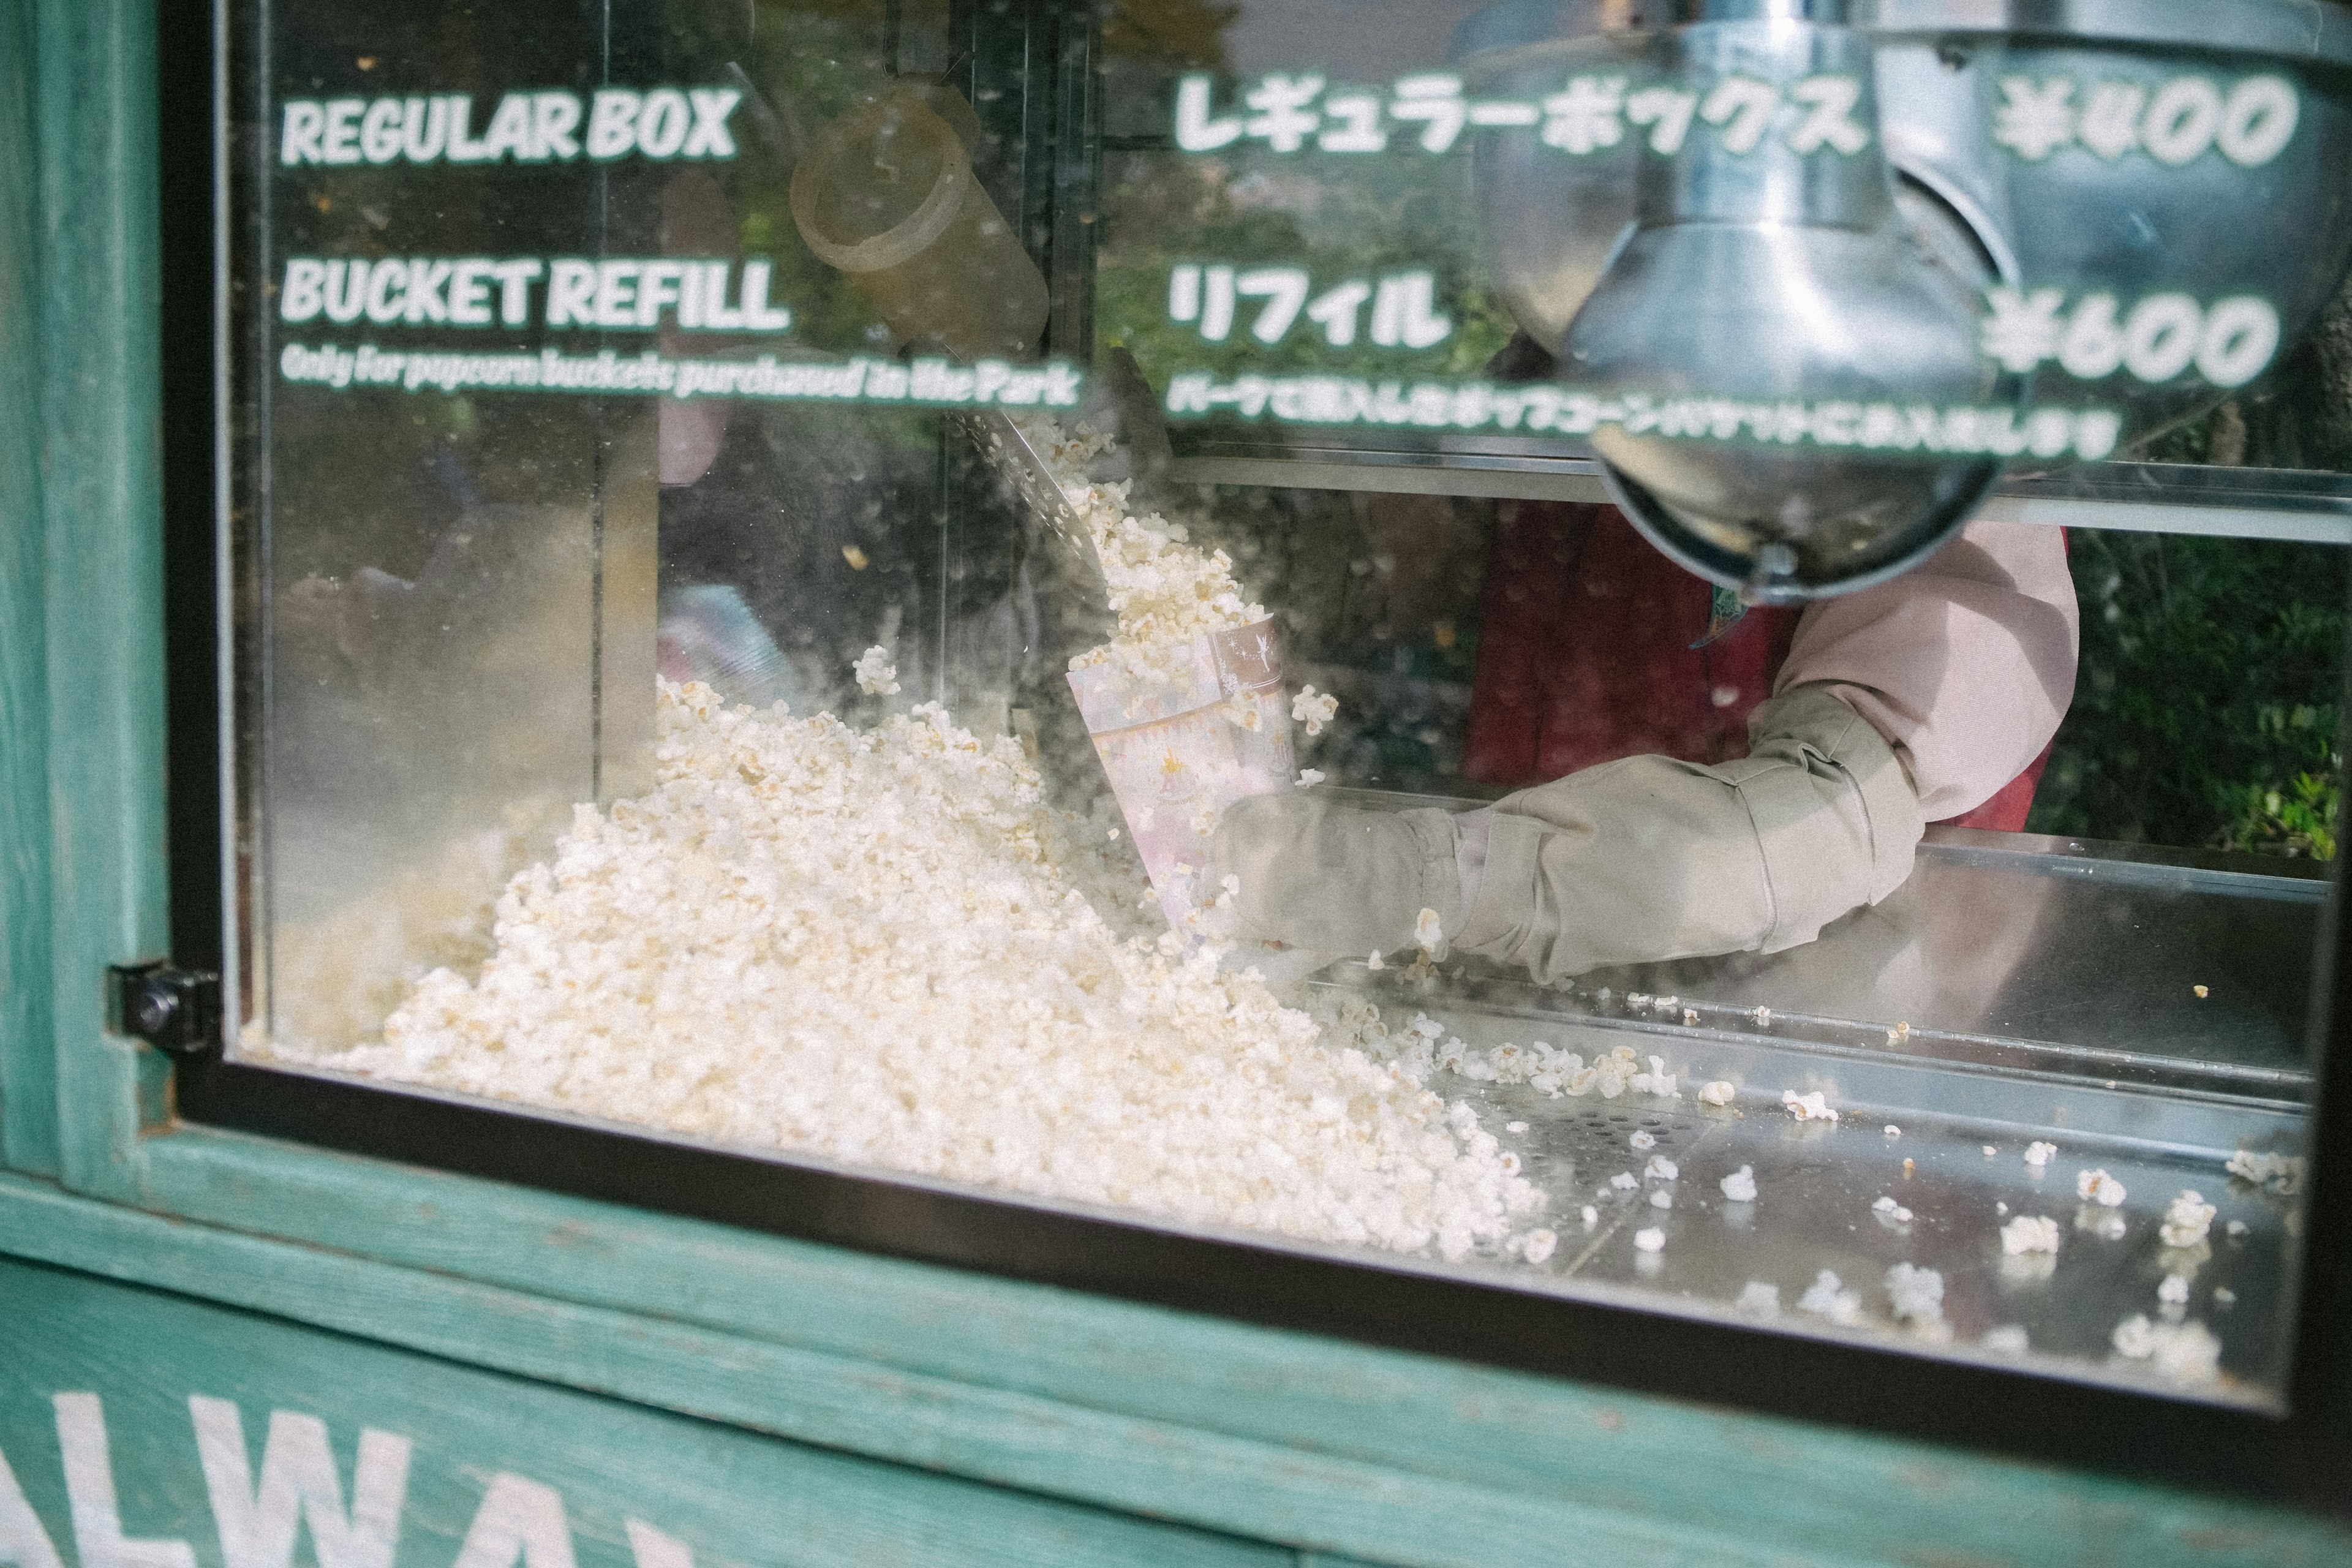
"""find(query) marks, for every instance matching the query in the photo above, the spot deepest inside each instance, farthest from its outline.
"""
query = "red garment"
(1586, 654)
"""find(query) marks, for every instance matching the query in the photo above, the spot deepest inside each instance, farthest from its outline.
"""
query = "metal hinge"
(173, 1009)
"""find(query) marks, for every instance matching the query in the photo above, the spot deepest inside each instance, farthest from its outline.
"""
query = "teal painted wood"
(28, 1093)
(1087, 1455)
(1479, 1427)
(1334, 1448)
(1278, 1436)
(728, 1496)
(94, 142)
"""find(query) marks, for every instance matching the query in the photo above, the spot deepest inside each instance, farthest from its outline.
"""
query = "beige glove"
(1336, 878)
(1652, 859)
(1634, 860)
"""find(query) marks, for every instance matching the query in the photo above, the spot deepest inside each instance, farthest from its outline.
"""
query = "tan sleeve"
(1652, 858)
(1967, 663)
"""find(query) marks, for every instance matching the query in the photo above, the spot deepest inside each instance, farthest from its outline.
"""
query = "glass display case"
(1211, 622)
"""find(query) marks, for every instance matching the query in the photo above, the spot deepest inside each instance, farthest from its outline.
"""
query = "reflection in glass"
(1929, 963)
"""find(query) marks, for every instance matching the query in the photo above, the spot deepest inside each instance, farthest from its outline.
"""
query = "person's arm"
(1967, 663)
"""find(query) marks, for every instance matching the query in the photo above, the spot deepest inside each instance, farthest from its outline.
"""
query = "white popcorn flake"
(886, 948)
(1374, 962)
(2174, 1288)
(2099, 1187)
(2029, 1233)
(2179, 1352)
(876, 676)
(1644, 1139)
(1827, 1297)
(1759, 1300)
(2235, 1228)
(1917, 1295)
(2007, 1339)
(1719, 1091)
(2186, 1220)
(1886, 1209)
(1660, 1169)
(2281, 1173)
(1657, 1080)
(1309, 777)
(1690, 1018)
(1813, 1107)
(2001, 1208)
(1624, 1181)
(2224, 1297)
(1590, 1215)
(1990, 1151)
(1662, 1199)
(1538, 1246)
(1426, 933)
(1651, 1240)
(1314, 708)
(1740, 1186)
(2039, 1153)
(1763, 1016)
(1891, 1131)
(1515, 1127)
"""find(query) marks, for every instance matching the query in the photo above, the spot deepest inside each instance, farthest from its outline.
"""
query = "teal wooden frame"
(1318, 1446)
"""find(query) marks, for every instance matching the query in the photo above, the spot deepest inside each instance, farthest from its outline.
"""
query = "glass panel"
(1680, 659)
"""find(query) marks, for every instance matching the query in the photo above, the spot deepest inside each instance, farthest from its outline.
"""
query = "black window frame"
(2300, 1458)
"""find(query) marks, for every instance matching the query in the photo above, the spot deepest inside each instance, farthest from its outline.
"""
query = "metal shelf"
(2309, 508)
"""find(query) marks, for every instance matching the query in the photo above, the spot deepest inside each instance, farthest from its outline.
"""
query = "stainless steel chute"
(2011, 235)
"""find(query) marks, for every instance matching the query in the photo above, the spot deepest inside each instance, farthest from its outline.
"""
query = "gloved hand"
(1337, 879)
(1649, 858)
(1629, 862)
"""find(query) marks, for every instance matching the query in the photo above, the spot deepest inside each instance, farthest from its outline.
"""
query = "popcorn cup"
(1185, 739)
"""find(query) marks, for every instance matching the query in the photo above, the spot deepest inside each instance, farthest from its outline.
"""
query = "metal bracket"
(177, 1011)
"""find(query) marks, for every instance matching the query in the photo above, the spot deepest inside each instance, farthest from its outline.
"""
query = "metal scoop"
(1024, 470)
(1119, 401)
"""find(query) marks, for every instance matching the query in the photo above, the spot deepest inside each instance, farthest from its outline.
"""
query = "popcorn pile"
(1165, 592)
(879, 947)
(1554, 1073)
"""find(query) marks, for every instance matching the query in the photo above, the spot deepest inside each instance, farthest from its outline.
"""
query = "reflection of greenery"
(2301, 819)
(2206, 712)
(2230, 652)
(1168, 32)
(811, 67)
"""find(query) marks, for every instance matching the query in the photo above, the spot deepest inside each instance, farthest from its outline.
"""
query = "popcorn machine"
(765, 547)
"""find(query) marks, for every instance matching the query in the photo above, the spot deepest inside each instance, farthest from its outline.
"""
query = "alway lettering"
(521, 1523)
